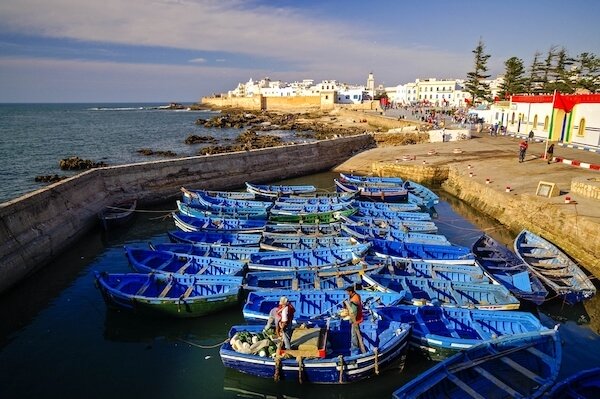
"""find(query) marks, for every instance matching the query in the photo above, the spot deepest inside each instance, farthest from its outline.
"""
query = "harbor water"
(58, 339)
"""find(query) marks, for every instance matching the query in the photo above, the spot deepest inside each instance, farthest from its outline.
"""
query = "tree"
(534, 82)
(475, 83)
(587, 72)
(514, 78)
(562, 73)
(547, 69)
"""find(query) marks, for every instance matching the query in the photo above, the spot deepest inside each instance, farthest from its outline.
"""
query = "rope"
(300, 368)
(141, 210)
(203, 346)
(376, 352)
(277, 368)
(341, 363)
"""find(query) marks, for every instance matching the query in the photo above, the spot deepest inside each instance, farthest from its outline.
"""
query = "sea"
(59, 340)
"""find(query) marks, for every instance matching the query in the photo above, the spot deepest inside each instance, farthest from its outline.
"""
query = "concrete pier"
(39, 225)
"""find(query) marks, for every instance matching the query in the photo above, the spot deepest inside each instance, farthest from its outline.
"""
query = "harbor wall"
(37, 226)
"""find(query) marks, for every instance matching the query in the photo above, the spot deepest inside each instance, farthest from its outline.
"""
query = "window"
(534, 126)
(347, 97)
(512, 119)
(546, 122)
(581, 130)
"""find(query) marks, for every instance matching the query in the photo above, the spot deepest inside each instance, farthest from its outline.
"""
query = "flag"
(566, 103)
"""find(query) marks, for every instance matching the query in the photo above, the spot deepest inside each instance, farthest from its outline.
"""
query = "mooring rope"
(202, 346)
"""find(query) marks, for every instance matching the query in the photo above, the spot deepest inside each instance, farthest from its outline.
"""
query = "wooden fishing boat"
(415, 226)
(317, 199)
(292, 216)
(215, 237)
(468, 270)
(317, 229)
(187, 223)
(386, 206)
(311, 304)
(210, 250)
(217, 211)
(118, 214)
(200, 198)
(441, 332)
(275, 191)
(385, 343)
(169, 295)
(380, 194)
(408, 250)
(508, 270)
(337, 278)
(417, 193)
(394, 215)
(310, 208)
(582, 385)
(244, 195)
(393, 181)
(427, 291)
(367, 233)
(148, 261)
(284, 242)
(553, 267)
(319, 258)
(517, 366)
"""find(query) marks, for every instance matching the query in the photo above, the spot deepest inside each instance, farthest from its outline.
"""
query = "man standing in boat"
(284, 316)
(355, 312)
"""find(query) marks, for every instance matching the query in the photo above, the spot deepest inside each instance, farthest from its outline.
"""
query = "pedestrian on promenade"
(550, 153)
(523, 145)
(531, 134)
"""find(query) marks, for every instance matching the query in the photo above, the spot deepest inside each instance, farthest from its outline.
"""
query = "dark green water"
(58, 340)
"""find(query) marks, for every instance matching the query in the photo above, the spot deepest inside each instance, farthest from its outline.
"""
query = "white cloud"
(320, 47)
(198, 60)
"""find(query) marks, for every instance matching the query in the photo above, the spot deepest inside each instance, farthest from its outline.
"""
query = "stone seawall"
(37, 226)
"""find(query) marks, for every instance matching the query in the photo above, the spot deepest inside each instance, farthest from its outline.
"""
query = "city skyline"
(181, 50)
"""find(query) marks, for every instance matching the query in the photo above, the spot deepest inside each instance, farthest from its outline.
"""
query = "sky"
(181, 50)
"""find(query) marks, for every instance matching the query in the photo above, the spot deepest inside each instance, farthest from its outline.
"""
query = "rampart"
(37, 226)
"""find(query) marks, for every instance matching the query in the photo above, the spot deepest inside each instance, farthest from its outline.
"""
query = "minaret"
(371, 83)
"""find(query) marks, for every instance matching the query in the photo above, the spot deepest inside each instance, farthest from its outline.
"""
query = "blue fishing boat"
(379, 194)
(394, 215)
(517, 366)
(582, 385)
(553, 267)
(415, 226)
(318, 198)
(427, 291)
(508, 270)
(298, 216)
(384, 341)
(440, 332)
(200, 198)
(319, 258)
(169, 295)
(117, 214)
(215, 237)
(243, 195)
(317, 229)
(417, 193)
(210, 250)
(393, 181)
(187, 223)
(408, 250)
(275, 191)
(386, 206)
(367, 233)
(148, 261)
(202, 211)
(310, 208)
(337, 278)
(468, 270)
(284, 242)
(312, 304)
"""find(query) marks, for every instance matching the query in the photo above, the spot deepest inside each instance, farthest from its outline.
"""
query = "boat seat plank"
(165, 290)
(144, 287)
(295, 284)
(527, 245)
(526, 372)
(540, 255)
(462, 385)
(187, 292)
(512, 393)
(544, 356)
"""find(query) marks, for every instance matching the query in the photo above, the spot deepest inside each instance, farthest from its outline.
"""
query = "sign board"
(547, 189)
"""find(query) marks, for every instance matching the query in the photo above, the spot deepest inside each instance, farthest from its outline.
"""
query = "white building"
(440, 93)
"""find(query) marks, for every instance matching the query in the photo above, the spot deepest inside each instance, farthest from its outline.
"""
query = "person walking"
(355, 311)
(523, 145)
(550, 153)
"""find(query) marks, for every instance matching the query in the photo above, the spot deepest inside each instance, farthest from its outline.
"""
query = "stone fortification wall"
(570, 232)
(433, 174)
(39, 225)
(251, 103)
(292, 103)
(378, 120)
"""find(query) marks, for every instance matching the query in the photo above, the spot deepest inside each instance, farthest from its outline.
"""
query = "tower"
(371, 83)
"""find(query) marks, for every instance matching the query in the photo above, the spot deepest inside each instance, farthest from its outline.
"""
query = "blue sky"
(180, 50)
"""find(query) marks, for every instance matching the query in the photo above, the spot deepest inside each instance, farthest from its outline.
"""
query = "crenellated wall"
(37, 226)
